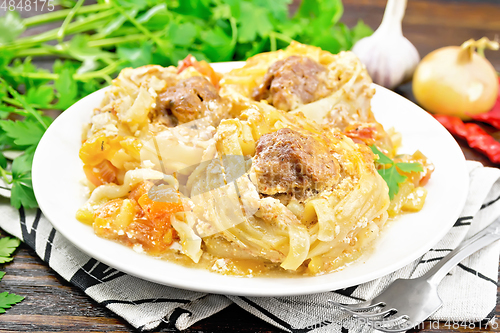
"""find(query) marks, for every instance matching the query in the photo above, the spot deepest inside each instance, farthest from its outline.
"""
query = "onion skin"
(453, 82)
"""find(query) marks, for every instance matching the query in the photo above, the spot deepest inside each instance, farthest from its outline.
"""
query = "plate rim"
(222, 288)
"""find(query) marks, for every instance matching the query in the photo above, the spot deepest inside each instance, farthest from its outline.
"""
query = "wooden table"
(54, 305)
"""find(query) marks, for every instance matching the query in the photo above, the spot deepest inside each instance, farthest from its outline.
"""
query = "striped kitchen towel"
(147, 305)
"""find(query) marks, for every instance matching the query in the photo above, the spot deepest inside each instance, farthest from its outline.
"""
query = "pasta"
(265, 170)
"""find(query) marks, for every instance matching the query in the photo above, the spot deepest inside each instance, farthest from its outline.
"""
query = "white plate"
(57, 171)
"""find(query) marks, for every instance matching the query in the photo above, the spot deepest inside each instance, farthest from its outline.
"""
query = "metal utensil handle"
(483, 238)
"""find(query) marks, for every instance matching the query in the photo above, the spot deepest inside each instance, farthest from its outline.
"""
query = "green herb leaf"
(15, 74)
(360, 31)
(218, 46)
(11, 26)
(3, 161)
(391, 174)
(22, 187)
(86, 88)
(7, 300)
(333, 40)
(21, 166)
(294, 29)
(3, 89)
(78, 48)
(59, 66)
(321, 28)
(337, 9)
(5, 111)
(309, 9)
(393, 178)
(257, 47)
(24, 133)
(88, 65)
(27, 107)
(254, 22)
(5, 58)
(278, 8)
(136, 56)
(67, 89)
(410, 167)
(117, 23)
(139, 4)
(327, 11)
(382, 158)
(222, 11)
(156, 18)
(7, 246)
(182, 34)
(197, 8)
(41, 95)
(22, 194)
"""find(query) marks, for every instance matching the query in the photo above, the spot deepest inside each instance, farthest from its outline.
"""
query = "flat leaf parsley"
(392, 172)
(23, 136)
(7, 300)
(7, 247)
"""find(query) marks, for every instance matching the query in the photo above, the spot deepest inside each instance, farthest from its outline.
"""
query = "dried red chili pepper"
(476, 137)
(202, 67)
(491, 117)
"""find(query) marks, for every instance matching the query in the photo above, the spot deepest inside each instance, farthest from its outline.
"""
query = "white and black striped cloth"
(148, 305)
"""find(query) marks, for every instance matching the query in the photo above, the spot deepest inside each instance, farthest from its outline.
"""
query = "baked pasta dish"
(266, 170)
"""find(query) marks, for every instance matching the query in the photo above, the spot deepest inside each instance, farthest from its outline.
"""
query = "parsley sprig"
(22, 136)
(391, 171)
(163, 32)
(7, 247)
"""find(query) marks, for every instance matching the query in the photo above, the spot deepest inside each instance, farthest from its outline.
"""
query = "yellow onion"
(457, 81)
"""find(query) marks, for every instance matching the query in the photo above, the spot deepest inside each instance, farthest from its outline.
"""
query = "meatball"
(190, 99)
(290, 162)
(292, 82)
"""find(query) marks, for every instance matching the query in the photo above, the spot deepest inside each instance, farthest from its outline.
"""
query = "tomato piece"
(154, 240)
(159, 212)
(154, 230)
(138, 220)
(418, 178)
(202, 67)
(139, 190)
(100, 174)
(362, 133)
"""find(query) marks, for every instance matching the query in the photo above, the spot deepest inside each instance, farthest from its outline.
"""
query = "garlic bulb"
(389, 57)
